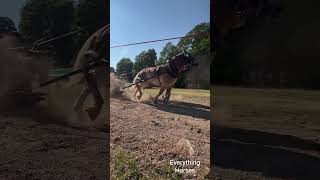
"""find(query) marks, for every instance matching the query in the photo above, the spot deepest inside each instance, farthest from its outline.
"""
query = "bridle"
(188, 62)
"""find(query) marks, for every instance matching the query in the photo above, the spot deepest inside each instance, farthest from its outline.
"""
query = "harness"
(172, 70)
(169, 68)
(158, 74)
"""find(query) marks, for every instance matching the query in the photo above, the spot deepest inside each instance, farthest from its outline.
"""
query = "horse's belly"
(150, 83)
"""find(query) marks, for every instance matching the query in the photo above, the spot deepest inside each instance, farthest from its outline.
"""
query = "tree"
(197, 45)
(125, 68)
(169, 50)
(90, 16)
(144, 59)
(48, 19)
(112, 70)
(6, 25)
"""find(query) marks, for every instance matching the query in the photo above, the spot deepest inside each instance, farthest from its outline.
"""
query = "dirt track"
(151, 134)
(39, 143)
(266, 134)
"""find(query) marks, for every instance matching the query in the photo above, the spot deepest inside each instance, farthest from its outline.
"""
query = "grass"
(269, 108)
(125, 166)
(184, 92)
(274, 97)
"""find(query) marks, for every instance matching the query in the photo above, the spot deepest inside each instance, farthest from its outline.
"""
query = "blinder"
(187, 61)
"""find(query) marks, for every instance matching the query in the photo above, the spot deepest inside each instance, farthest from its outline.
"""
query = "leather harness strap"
(158, 74)
(172, 70)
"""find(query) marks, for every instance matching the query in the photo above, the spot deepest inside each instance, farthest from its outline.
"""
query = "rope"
(40, 41)
(166, 39)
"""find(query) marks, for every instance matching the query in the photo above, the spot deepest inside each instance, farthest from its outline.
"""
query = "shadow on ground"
(273, 155)
(184, 108)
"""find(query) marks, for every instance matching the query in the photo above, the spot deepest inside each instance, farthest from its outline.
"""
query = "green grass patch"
(294, 107)
(123, 166)
(296, 94)
(184, 92)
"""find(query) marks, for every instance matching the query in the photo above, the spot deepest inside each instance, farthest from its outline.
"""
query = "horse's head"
(182, 62)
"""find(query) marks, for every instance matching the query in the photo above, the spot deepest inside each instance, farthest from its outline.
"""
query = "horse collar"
(172, 70)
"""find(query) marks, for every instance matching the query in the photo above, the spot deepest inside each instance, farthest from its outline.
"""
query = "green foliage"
(125, 66)
(197, 45)
(169, 50)
(145, 59)
(92, 14)
(123, 166)
(41, 18)
(49, 18)
(112, 70)
(6, 25)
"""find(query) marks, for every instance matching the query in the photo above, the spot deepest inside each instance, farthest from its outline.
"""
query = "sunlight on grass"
(183, 92)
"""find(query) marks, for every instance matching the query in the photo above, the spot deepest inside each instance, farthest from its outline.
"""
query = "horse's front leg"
(135, 93)
(167, 96)
(93, 112)
(79, 102)
(84, 94)
(159, 94)
(140, 92)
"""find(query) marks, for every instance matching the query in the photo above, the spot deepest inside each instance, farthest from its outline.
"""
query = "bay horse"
(163, 76)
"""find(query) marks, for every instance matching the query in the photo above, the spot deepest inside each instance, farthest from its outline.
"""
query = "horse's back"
(145, 74)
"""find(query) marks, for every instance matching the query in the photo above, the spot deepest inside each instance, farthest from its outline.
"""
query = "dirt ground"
(154, 135)
(39, 143)
(266, 133)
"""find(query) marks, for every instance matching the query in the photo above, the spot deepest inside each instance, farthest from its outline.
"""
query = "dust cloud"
(18, 70)
(199, 76)
(115, 86)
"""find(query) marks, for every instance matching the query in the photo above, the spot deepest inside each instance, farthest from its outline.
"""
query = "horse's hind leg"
(159, 94)
(167, 96)
(79, 102)
(140, 92)
(135, 93)
(93, 112)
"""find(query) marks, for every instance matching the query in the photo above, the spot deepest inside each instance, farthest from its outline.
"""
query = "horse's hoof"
(166, 102)
(93, 113)
(155, 102)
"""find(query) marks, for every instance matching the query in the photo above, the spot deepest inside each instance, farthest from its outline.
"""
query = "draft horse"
(163, 76)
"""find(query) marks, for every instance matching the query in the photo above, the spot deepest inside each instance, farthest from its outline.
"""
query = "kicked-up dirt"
(50, 141)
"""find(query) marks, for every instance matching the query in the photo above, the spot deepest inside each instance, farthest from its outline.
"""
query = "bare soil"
(266, 133)
(154, 135)
(50, 141)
